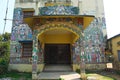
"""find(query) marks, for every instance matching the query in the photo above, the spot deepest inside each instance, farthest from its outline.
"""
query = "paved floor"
(58, 71)
(57, 68)
(58, 75)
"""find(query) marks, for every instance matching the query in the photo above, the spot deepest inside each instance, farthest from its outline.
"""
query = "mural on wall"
(17, 17)
(59, 10)
(40, 53)
(15, 49)
(95, 41)
(20, 32)
(76, 53)
(92, 43)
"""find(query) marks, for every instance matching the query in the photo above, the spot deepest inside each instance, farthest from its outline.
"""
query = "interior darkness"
(57, 54)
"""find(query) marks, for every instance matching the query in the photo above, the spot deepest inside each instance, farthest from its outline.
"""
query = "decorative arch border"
(58, 25)
(46, 27)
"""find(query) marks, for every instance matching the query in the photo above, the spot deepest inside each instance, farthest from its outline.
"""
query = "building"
(44, 32)
(113, 47)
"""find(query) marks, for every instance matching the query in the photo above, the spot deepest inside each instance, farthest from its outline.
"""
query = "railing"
(54, 3)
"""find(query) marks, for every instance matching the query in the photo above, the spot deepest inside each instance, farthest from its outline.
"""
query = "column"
(82, 57)
(34, 57)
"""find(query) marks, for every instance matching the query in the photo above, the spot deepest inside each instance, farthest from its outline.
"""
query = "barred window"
(26, 49)
(119, 55)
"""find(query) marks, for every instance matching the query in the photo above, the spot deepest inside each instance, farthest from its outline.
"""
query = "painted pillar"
(34, 57)
(82, 57)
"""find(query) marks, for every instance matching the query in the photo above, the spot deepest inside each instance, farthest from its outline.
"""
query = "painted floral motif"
(59, 10)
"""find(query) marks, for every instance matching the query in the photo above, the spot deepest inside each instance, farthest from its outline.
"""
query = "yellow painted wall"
(59, 38)
(75, 67)
(115, 47)
(90, 66)
(25, 67)
(87, 21)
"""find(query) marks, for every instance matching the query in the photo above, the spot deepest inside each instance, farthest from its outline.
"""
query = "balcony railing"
(54, 3)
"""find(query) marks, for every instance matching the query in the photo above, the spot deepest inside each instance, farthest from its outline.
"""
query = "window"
(28, 13)
(22, 1)
(119, 55)
(26, 49)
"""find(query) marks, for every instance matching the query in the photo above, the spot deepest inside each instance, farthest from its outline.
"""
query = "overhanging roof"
(87, 19)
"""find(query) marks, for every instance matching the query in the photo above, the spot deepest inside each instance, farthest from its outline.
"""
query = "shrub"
(4, 56)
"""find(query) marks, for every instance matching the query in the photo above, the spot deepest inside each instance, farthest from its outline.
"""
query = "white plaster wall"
(93, 7)
(88, 7)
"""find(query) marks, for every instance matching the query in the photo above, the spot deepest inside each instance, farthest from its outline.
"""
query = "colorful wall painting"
(95, 41)
(21, 32)
(15, 49)
(59, 10)
(17, 17)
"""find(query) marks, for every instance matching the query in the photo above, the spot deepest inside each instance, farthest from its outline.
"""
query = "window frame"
(30, 48)
(118, 52)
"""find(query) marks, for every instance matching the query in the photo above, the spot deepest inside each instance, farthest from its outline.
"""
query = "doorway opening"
(57, 54)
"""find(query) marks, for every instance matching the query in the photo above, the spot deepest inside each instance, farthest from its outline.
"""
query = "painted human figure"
(22, 32)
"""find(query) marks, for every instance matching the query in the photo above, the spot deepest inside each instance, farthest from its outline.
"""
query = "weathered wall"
(115, 47)
(25, 67)
(99, 66)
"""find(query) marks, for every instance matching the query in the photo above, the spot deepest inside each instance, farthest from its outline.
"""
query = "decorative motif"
(58, 25)
(15, 49)
(20, 60)
(17, 17)
(95, 40)
(21, 32)
(59, 10)
(76, 53)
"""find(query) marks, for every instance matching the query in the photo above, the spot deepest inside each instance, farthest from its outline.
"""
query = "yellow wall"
(87, 21)
(58, 38)
(90, 66)
(115, 47)
(25, 67)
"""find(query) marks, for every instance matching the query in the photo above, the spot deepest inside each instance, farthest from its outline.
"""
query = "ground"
(99, 75)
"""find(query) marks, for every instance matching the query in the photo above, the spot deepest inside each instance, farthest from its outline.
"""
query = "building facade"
(57, 32)
(113, 48)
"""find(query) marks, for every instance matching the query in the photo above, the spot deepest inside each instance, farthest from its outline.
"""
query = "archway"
(54, 35)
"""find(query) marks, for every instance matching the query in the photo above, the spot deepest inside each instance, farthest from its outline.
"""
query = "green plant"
(78, 71)
(4, 56)
(117, 72)
(61, 79)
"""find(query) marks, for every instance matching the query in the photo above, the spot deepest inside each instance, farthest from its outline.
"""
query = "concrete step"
(57, 68)
(58, 75)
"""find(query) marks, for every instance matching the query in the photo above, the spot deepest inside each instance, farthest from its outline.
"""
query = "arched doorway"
(52, 43)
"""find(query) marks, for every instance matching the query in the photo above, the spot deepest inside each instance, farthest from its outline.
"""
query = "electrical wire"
(5, 16)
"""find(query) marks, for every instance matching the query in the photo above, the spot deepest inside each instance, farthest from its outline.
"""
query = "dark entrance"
(57, 54)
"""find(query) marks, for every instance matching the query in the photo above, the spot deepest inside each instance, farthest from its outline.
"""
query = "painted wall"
(88, 7)
(25, 67)
(93, 42)
(58, 38)
(20, 32)
(99, 66)
(115, 47)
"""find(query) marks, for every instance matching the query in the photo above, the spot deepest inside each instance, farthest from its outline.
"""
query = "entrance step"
(58, 76)
(57, 68)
